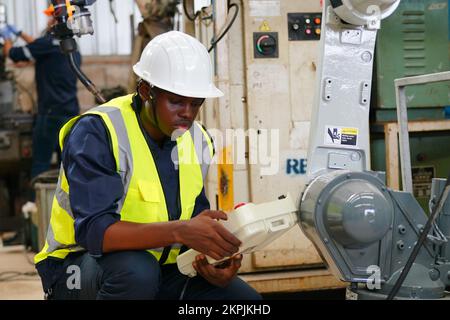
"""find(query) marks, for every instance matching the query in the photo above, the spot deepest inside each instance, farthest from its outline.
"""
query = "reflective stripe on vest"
(143, 200)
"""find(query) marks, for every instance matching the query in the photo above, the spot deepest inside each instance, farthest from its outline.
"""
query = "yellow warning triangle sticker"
(264, 27)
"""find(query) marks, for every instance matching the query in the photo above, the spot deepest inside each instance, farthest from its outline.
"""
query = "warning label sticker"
(422, 178)
(264, 8)
(341, 136)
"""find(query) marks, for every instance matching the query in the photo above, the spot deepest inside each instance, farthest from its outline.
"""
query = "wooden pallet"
(293, 281)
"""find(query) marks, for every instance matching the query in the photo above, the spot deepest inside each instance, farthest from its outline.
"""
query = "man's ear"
(144, 90)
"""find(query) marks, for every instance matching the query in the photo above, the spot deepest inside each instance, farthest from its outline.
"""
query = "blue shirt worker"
(131, 197)
(56, 90)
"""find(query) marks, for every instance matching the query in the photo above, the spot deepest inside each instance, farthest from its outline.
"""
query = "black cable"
(423, 236)
(84, 79)
(227, 28)
(188, 15)
(113, 11)
(13, 275)
(25, 253)
(183, 292)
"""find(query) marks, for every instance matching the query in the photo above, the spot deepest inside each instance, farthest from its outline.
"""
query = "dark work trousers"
(137, 275)
(45, 141)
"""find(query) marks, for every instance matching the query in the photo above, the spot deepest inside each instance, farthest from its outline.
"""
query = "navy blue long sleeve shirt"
(96, 187)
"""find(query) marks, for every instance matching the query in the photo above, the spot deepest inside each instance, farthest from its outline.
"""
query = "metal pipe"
(405, 152)
(423, 79)
(402, 119)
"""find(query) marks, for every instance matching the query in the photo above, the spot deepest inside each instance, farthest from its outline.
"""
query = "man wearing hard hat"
(131, 197)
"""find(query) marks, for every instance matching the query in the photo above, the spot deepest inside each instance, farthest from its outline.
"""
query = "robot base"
(362, 293)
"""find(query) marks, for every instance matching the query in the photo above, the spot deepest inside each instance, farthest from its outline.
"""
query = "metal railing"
(402, 118)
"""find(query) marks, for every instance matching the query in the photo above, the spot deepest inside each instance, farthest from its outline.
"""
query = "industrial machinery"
(15, 146)
(379, 240)
(74, 19)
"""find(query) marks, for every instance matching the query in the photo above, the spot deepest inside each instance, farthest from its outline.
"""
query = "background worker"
(56, 88)
(131, 194)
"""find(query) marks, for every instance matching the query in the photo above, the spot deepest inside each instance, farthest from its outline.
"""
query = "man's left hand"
(220, 275)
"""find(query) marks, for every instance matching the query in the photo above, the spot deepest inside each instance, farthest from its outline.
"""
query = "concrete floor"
(14, 260)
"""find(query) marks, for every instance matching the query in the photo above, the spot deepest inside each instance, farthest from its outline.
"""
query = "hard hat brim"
(213, 91)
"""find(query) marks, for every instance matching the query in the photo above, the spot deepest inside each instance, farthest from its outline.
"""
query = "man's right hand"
(206, 235)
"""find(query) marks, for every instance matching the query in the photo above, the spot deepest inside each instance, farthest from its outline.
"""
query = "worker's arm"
(7, 47)
(95, 186)
(8, 32)
(38, 49)
(26, 37)
(19, 33)
(202, 233)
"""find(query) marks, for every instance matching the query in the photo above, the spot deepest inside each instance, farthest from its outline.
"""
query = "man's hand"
(206, 235)
(221, 275)
(14, 30)
(6, 33)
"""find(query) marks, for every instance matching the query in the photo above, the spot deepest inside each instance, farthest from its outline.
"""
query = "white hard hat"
(178, 63)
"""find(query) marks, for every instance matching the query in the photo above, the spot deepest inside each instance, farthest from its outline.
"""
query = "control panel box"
(255, 225)
(304, 26)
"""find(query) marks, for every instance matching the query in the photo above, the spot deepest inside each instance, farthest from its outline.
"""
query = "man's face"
(175, 112)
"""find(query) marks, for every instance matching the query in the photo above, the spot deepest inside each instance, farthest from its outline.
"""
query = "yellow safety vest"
(143, 200)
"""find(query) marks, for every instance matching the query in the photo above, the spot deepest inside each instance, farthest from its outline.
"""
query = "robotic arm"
(340, 139)
(74, 19)
(377, 239)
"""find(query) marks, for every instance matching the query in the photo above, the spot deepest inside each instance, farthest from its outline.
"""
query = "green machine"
(414, 41)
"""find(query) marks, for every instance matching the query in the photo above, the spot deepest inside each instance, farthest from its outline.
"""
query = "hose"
(227, 27)
(188, 15)
(84, 79)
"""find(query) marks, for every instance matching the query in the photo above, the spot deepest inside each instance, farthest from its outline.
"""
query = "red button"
(317, 21)
(26, 152)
